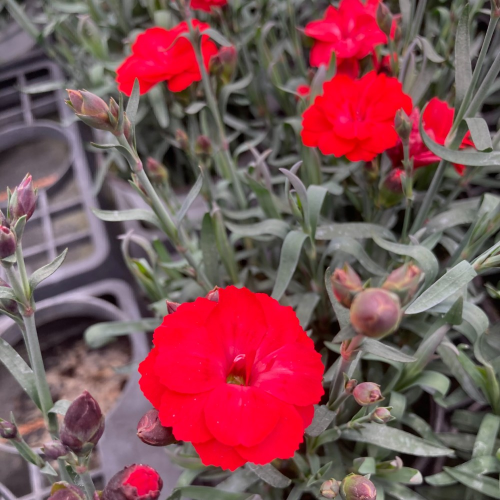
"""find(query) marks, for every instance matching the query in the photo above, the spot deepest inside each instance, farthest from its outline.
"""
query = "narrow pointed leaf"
(190, 198)
(480, 133)
(270, 475)
(125, 215)
(46, 271)
(133, 102)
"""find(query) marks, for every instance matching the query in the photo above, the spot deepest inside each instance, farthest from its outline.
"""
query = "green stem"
(430, 196)
(88, 484)
(22, 271)
(408, 165)
(214, 108)
(39, 370)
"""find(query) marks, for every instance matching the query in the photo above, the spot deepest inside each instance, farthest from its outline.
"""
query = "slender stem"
(22, 271)
(408, 164)
(15, 283)
(430, 196)
(39, 370)
(88, 484)
(214, 108)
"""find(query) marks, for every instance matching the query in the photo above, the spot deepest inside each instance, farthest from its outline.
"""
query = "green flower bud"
(330, 489)
(91, 109)
(384, 18)
(355, 487)
(375, 313)
(402, 124)
(391, 189)
(150, 431)
(83, 425)
(367, 393)
(404, 282)
(203, 146)
(345, 283)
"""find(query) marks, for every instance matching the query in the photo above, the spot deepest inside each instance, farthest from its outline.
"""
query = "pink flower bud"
(172, 307)
(367, 393)
(223, 64)
(404, 282)
(8, 242)
(375, 313)
(23, 199)
(381, 416)
(355, 487)
(83, 425)
(114, 109)
(391, 189)
(8, 430)
(7, 304)
(345, 283)
(330, 489)
(203, 145)
(91, 109)
(150, 431)
(182, 138)
(136, 482)
(54, 450)
(303, 90)
(157, 172)
(213, 295)
(65, 491)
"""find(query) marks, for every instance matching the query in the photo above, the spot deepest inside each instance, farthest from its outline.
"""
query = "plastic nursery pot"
(61, 321)
(38, 135)
(14, 41)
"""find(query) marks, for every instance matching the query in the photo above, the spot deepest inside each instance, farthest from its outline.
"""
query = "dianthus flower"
(351, 32)
(238, 378)
(437, 121)
(355, 118)
(207, 5)
(162, 55)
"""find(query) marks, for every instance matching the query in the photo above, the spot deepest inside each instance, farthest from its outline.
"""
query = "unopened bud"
(136, 482)
(172, 307)
(213, 295)
(375, 313)
(345, 283)
(367, 393)
(404, 282)
(83, 424)
(91, 109)
(384, 18)
(8, 242)
(356, 487)
(138, 184)
(8, 430)
(303, 90)
(203, 145)
(381, 416)
(391, 189)
(157, 172)
(350, 386)
(54, 450)
(114, 109)
(182, 138)
(150, 430)
(23, 199)
(223, 64)
(402, 123)
(8, 305)
(330, 489)
(65, 491)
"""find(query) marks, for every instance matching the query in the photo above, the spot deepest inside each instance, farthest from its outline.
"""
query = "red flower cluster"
(207, 5)
(355, 118)
(238, 378)
(161, 55)
(437, 121)
(351, 32)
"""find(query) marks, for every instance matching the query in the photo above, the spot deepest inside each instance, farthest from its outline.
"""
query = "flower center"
(237, 373)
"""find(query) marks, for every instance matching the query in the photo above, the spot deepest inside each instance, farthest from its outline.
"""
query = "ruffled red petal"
(220, 455)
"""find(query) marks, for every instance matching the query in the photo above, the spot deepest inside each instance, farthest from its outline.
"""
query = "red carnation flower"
(161, 55)
(135, 482)
(437, 121)
(355, 118)
(207, 5)
(351, 32)
(238, 378)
